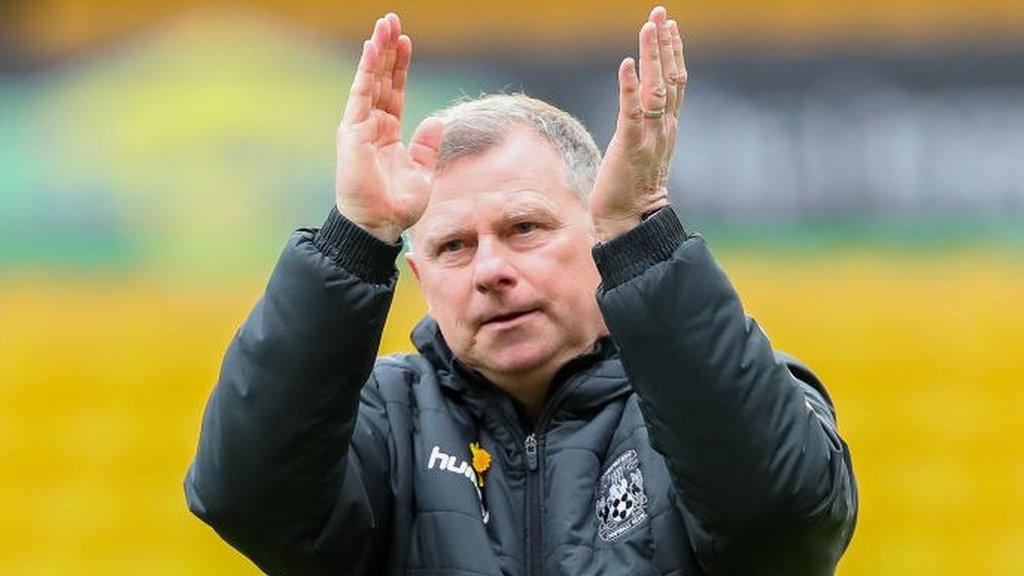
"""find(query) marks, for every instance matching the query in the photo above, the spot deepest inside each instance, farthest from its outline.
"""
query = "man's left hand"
(632, 180)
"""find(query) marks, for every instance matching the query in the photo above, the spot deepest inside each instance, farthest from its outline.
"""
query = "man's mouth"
(509, 319)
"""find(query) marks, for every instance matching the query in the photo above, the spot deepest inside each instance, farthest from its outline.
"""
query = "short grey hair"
(474, 126)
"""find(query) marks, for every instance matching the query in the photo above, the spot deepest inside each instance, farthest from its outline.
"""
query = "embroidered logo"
(451, 464)
(622, 503)
(481, 461)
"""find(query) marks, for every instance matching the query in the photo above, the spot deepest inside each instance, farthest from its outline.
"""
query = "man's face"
(502, 254)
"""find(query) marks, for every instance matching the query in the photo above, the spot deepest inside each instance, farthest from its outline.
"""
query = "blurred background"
(857, 167)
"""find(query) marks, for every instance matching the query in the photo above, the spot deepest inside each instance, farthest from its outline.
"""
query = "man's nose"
(491, 269)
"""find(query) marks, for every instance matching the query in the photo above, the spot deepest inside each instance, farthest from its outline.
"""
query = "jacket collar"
(427, 338)
(605, 382)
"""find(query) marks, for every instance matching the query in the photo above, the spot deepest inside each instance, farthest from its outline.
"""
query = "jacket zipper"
(533, 450)
(533, 538)
(530, 445)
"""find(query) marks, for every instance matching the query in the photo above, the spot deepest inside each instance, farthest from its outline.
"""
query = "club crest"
(621, 503)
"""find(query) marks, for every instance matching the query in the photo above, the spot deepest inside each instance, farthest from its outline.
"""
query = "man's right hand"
(381, 185)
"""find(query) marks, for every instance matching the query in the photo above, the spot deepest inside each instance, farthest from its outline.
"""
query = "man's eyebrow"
(530, 208)
(442, 230)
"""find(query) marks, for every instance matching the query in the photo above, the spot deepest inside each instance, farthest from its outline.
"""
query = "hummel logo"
(446, 462)
(450, 464)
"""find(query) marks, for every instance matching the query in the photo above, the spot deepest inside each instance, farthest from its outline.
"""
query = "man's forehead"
(522, 174)
(523, 159)
(463, 209)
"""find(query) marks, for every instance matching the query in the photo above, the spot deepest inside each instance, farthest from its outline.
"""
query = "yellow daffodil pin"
(481, 461)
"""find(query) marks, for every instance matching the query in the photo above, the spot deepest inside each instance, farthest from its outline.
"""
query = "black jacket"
(681, 445)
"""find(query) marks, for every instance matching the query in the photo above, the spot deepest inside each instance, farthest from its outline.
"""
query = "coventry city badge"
(621, 503)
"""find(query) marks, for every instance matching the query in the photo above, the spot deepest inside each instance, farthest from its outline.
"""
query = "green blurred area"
(195, 150)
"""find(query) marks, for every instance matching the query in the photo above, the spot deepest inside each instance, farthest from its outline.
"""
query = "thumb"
(426, 143)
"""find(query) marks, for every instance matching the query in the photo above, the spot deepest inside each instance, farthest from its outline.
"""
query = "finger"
(402, 59)
(667, 59)
(426, 143)
(381, 31)
(631, 114)
(360, 96)
(677, 53)
(396, 25)
(652, 85)
(390, 52)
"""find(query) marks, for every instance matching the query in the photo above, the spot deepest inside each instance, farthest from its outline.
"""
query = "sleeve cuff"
(629, 255)
(357, 251)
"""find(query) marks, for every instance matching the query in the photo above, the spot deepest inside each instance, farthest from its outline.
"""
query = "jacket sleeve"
(763, 481)
(294, 442)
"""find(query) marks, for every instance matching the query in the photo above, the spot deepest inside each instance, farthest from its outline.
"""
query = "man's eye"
(524, 227)
(450, 246)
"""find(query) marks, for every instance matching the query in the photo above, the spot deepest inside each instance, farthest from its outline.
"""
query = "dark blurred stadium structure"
(859, 168)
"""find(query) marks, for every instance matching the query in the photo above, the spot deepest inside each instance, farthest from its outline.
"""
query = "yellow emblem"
(481, 461)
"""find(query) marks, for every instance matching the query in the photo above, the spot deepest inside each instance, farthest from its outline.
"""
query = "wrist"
(610, 228)
(384, 231)
(354, 249)
(628, 256)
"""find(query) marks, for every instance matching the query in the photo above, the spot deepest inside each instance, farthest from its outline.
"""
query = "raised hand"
(632, 179)
(380, 184)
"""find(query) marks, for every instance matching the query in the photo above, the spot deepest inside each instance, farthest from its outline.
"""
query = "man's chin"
(518, 359)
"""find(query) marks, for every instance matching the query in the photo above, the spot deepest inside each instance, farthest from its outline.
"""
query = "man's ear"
(410, 259)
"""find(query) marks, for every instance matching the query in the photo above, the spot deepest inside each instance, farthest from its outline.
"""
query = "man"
(541, 430)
